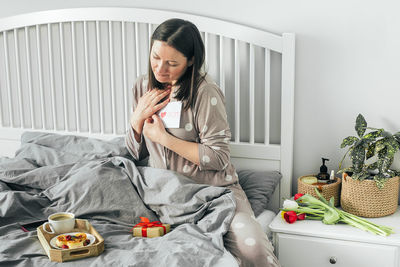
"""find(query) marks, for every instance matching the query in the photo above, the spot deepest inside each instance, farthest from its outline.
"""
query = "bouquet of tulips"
(309, 208)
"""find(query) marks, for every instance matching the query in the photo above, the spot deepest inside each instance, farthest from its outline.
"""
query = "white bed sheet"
(264, 219)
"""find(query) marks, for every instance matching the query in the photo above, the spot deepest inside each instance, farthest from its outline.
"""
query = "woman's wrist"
(166, 140)
(137, 124)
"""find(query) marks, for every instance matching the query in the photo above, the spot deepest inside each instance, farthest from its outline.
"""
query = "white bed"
(52, 84)
(71, 71)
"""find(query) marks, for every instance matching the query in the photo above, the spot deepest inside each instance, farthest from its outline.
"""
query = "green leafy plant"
(376, 144)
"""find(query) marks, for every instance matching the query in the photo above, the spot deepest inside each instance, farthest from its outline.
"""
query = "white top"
(341, 231)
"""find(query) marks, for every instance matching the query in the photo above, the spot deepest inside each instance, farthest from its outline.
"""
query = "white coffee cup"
(60, 222)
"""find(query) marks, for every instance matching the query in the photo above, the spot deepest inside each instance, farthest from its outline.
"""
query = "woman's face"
(167, 63)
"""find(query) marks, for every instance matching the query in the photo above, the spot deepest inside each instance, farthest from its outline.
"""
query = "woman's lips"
(162, 75)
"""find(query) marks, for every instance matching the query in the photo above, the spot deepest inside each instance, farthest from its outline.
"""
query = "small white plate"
(53, 242)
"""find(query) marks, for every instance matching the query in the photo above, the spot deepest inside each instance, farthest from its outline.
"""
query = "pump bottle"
(323, 175)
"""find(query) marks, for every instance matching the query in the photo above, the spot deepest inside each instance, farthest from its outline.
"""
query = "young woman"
(199, 146)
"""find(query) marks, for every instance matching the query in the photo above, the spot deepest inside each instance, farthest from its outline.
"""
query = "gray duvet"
(98, 181)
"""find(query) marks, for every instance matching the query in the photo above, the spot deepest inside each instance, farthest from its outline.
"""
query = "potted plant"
(374, 188)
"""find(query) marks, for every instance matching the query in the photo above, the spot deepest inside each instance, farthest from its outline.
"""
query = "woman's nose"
(162, 67)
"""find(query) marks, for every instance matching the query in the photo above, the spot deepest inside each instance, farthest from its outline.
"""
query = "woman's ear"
(190, 62)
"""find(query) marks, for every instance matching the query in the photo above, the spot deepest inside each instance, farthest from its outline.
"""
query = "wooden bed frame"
(70, 71)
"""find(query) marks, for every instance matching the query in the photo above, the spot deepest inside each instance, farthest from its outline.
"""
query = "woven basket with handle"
(365, 199)
(327, 191)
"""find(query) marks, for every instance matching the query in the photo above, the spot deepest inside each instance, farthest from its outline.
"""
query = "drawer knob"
(332, 260)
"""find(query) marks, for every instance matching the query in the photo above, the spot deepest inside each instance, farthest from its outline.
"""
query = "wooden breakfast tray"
(61, 255)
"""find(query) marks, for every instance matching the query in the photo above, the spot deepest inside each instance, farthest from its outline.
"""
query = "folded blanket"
(97, 180)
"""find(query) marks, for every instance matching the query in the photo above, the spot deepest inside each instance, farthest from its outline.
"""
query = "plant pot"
(365, 199)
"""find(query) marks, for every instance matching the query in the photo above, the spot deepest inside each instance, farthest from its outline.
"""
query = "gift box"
(150, 229)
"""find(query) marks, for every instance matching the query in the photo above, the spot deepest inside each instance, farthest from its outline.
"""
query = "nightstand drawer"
(298, 251)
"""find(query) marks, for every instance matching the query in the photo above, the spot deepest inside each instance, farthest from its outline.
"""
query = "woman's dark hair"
(184, 37)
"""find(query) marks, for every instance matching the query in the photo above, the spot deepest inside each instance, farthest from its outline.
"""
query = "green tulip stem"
(376, 228)
(365, 227)
(386, 228)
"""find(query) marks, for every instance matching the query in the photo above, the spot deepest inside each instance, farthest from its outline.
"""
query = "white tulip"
(290, 204)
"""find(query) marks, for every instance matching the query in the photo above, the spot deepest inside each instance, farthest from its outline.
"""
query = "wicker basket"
(327, 191)
(365, 199)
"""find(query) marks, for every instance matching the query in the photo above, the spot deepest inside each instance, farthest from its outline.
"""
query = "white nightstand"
(313, 244)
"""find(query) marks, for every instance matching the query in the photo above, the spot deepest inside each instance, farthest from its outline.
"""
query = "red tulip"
(290, 216)
(298, 195)
(301, 216)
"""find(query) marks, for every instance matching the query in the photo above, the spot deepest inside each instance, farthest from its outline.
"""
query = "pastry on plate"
(75, 240)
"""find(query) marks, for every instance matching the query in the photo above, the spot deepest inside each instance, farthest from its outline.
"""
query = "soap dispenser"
(323, 175)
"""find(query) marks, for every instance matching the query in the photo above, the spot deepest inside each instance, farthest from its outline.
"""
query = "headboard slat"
(221, 64)
(125, 81)
(63, 79)
(87, 77)
(40, 68)
(8, 79)
(99, 71)
(137, 58)
(51, 72)
(28, 64)
(252, 94)
(112, 82)
(237, 92)
(75, 79)
(18, 72)
(267, 95)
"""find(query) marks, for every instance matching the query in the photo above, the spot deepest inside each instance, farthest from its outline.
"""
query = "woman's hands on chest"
(147, 106)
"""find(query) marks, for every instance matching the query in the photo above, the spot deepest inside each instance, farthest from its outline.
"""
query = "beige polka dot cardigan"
(206, 124)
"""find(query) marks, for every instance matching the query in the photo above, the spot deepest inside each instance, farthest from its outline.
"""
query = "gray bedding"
(98, 181)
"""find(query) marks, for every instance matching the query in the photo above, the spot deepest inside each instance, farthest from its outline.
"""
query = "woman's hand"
(154, 129)
(147, 106)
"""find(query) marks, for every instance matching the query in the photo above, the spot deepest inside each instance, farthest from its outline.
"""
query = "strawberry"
(65, 246)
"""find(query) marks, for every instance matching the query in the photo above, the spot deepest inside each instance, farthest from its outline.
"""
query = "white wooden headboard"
(71, 71)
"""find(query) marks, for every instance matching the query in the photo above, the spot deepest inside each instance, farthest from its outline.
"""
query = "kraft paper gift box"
(150, 229)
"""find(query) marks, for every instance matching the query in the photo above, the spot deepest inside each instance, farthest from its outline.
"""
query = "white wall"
(347, 55)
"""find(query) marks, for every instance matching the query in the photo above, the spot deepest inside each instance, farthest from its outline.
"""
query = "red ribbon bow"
(145, 223)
